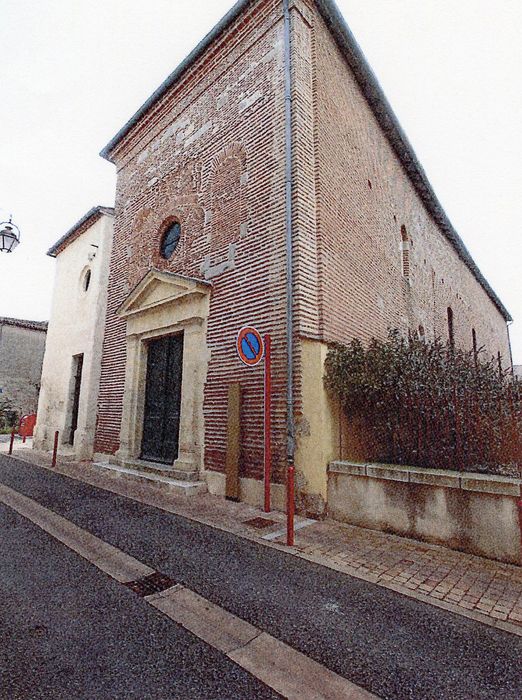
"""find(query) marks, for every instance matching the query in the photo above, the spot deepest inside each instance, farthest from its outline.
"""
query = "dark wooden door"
(75, 408)
(162, 399)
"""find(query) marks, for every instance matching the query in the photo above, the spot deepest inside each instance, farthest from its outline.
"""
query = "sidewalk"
(485, 590)
(18, 444)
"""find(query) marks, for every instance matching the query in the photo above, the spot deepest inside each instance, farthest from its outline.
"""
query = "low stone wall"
(474, 513)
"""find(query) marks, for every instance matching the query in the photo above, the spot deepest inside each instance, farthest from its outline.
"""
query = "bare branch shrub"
(428, 405)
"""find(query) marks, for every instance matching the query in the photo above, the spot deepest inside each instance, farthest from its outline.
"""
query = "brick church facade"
(204, 164)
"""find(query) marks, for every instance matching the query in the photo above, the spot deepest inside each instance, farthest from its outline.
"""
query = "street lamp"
(9, 236)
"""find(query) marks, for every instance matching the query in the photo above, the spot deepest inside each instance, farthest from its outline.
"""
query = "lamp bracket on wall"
(9, 236)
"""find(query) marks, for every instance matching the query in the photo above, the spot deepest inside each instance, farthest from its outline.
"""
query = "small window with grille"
(451, 330)
(405, 252)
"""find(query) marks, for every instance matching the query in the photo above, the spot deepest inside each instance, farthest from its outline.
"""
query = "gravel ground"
(392, 645)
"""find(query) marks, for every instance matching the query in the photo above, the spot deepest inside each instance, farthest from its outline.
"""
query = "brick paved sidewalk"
(482, 589)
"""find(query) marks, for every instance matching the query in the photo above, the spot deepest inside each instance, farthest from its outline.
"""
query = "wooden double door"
(162, 399)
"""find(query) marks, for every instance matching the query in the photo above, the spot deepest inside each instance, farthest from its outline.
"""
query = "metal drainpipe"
(288, 219)
(508, 324)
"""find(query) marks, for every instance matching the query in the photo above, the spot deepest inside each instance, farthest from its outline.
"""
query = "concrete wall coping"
(467, 481)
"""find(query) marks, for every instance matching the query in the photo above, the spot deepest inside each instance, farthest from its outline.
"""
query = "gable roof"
(22, 323)
(79, 227)
(378, 103)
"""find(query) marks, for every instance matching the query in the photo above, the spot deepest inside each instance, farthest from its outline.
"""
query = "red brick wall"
(212, 155)
(363, 198)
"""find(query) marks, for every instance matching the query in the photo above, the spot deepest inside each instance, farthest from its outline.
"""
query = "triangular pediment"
(157, 288)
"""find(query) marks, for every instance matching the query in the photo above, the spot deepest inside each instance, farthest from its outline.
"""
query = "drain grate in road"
(259, 523)
(153, 583)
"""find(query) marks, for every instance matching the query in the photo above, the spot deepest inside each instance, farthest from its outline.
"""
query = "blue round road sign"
(249, 346)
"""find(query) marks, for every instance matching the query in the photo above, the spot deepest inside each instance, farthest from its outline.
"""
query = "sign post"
(290, 505)
(251, 348)
(267, 420)
(55, 449)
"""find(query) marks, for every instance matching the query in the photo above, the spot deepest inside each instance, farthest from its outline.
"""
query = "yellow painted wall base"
(317, 431)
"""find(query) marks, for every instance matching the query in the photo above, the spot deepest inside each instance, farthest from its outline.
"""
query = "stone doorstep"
(181, 487)
(166, 470)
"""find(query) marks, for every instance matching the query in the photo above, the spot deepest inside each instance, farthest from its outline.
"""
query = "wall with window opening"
(405, 253)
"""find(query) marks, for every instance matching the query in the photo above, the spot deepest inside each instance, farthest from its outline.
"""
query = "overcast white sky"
(73, 71)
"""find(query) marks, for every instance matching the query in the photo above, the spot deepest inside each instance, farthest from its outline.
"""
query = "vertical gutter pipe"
(288, 220)
(508, 324)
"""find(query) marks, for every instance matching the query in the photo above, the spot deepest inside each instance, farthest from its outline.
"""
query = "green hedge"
(428, 404)
(8, 416)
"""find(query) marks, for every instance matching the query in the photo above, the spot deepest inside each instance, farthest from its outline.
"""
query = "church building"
(267, 183)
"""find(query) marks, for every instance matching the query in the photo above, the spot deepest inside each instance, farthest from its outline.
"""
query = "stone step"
(142, 465)
(183, 488)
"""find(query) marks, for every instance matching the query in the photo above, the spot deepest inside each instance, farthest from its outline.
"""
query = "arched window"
(475, 349)
(421, 333)
(451, 332)
(170, 240)
(405, 252)
(86, 280)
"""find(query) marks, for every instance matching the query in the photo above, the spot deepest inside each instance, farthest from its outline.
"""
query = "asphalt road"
(392, 645)
(68, 631)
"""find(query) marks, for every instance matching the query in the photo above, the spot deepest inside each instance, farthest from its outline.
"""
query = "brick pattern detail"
(363, 198)
(228, 196)
(211, 155)
(468, 582)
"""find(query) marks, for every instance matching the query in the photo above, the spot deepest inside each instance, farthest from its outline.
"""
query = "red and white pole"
(55, 449)
(519, 504)
(290, 505)
(268, 420)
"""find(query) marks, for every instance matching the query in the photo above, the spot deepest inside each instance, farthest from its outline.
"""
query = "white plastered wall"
(76, 327)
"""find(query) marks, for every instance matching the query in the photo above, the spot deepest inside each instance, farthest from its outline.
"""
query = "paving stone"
(498, 615)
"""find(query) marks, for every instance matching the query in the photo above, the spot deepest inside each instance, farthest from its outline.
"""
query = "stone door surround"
(165, 303)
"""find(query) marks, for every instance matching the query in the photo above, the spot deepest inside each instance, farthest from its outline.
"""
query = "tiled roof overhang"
(79, 227)
(22, 323)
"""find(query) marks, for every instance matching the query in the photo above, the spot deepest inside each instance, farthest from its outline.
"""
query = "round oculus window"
(170, 240)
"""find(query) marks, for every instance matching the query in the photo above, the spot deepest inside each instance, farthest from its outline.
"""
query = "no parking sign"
(250, 346)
